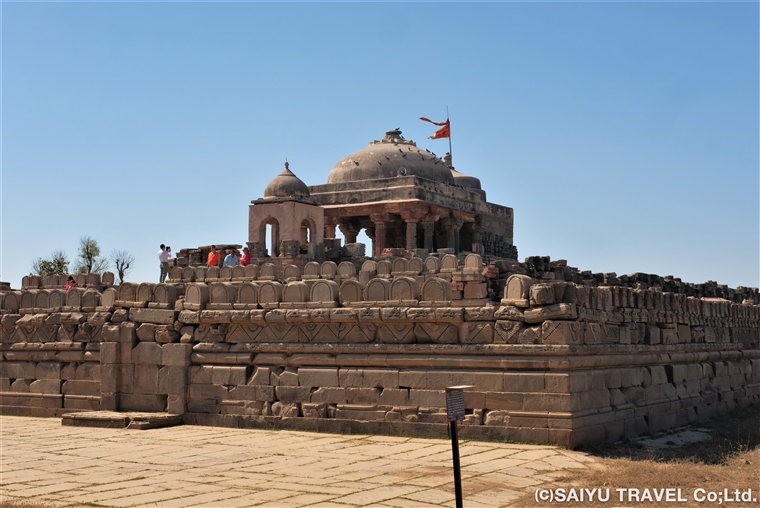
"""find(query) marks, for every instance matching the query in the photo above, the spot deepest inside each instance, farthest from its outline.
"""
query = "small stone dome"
(460, 179)
(286, 185)
(390, 157)
(466, 181)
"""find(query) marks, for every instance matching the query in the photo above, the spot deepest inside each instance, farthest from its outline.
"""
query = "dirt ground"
(731, 460)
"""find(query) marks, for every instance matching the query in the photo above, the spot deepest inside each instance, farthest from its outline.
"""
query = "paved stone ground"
(47, 464)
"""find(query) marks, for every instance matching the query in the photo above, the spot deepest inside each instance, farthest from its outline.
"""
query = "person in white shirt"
(163, 258)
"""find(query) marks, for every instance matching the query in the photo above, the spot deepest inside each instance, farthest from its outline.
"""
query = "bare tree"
(90, 260)
(122, 261)
(56, 264)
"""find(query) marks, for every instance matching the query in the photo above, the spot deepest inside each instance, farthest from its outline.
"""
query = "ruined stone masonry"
(316, 336)
(551, 361)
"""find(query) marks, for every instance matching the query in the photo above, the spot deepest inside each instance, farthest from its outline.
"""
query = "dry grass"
(731, 460)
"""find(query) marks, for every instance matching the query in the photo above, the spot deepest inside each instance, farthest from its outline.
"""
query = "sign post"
(454, 412)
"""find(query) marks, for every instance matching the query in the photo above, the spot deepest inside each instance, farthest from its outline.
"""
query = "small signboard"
(455, 402)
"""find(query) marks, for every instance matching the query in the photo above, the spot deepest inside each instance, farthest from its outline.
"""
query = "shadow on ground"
(733, 433)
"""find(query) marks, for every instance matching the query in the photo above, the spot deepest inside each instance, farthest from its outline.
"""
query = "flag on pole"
(443, 132)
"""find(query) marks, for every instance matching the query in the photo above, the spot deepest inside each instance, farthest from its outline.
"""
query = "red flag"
(443, 132)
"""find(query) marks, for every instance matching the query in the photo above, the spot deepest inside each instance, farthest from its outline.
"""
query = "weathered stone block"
(175, 404)
(524, 382)
(204, 391)
(109, 378)
(496, 418)
(509, 313)
(427, 398)
(146, 379)
(47, 370)
(658, 374)
(176, 355)
(289, 377)
(142, 402)
(558, 402)
(477, 332)
(88, 371)
(394, 397)
(329, 395)
(314, 410)
(166, 336)
(109, 352)
(566, 382)
(261, 376)
(146, 332)
(380, 378)
(363, 395)
(75, 387)
(171, 380)
(123, 377)
(127, 333)
(542, 294)
(317, 377)
(504, 400)
(561, 332)
(21, 385)
(351, 378)
(45, 386)
(148, 353)
(292, 394)
(155, 316)
(416, 379)
(556, 311)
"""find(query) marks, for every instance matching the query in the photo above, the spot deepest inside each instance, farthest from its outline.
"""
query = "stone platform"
(45, 464)
(116, 420)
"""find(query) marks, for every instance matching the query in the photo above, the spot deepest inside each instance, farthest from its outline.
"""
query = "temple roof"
(388, 158)
(286, 185)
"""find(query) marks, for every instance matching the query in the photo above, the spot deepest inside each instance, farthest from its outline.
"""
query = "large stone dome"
(391, 157)
(286, 185)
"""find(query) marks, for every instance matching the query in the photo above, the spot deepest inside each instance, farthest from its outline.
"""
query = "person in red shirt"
(71, 283)
(213, 257)
(245, 259)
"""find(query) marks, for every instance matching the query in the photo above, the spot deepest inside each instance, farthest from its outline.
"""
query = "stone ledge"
(115, 420)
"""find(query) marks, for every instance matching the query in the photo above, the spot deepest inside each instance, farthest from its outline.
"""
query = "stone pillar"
(452, 232)
(350, 231)
(429, 232)
(379, 243)
(330, 223)
(380, 220)
(457, 225)
(477, 238)
(411, 235)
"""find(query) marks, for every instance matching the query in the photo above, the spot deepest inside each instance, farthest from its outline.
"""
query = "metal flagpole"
(449, 120)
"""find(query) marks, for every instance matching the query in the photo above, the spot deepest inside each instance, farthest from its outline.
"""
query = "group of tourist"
(233, 257)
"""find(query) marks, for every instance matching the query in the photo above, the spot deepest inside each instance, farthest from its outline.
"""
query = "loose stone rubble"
(321, 337)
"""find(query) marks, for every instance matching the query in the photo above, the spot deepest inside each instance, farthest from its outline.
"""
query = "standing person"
(213, 257)
(245, 259)
(71, 283)
(163, 258)
(231, 259)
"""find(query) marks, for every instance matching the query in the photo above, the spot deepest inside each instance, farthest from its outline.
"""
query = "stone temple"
(317, 335)
(402, 196)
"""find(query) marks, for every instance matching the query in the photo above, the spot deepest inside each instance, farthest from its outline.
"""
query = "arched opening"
(307, 234)
(269, 231)
(465, 238)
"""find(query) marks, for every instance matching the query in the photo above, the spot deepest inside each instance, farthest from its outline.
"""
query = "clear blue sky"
(625, 136)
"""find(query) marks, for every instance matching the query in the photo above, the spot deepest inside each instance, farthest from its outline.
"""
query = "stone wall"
(553, 354)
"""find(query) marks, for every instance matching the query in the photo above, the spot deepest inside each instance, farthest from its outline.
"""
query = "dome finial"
(286, 185)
